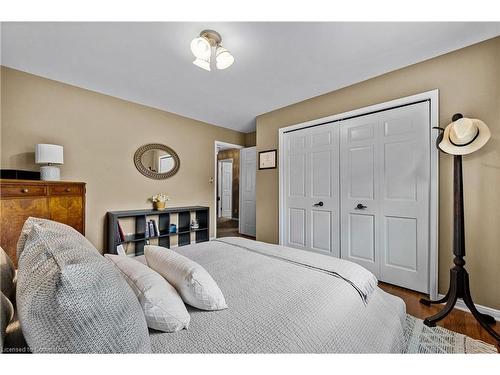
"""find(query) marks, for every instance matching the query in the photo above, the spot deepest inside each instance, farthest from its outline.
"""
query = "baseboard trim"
(482, 309)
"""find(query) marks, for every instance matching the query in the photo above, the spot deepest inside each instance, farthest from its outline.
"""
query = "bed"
(283, 300)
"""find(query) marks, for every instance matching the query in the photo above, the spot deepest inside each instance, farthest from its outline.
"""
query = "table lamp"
(49, 154)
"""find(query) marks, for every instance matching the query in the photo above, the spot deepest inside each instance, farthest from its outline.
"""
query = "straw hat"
(464, 136)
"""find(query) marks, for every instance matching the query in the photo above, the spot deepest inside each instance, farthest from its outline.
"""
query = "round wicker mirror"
(156, 161)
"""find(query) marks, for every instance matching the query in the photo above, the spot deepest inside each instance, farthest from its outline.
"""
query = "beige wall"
(469, 82)
(100, 135)
(250, 139)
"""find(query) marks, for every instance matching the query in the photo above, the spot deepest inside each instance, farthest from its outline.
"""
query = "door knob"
(360, 206)
(319, 204)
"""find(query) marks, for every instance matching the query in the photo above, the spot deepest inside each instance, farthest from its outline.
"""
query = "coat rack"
(459, 278)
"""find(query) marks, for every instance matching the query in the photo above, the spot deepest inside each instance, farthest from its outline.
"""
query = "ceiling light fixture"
(202, 49)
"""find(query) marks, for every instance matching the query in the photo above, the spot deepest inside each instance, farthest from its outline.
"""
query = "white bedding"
(286, 301)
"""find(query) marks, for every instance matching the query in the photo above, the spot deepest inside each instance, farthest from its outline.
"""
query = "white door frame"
(229, 161)
(433, 97)
(227, 146)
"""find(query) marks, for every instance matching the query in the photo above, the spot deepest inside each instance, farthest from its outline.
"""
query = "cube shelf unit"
(139, 238)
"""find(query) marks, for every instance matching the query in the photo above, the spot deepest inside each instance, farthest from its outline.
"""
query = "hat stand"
(459, 278)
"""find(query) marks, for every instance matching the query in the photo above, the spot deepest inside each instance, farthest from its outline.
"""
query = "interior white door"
(359, 183)
(312, 189)
(248, 171)
(226, 188)
(385, 182)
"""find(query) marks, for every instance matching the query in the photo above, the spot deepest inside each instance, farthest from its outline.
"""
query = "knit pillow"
(70, 299)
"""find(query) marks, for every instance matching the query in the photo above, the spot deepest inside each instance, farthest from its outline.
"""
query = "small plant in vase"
(159, 201)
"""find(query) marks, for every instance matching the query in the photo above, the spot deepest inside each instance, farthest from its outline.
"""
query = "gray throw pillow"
(70, 299)
(7, 275)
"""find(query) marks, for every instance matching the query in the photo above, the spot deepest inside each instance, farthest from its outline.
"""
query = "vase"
(159, 206)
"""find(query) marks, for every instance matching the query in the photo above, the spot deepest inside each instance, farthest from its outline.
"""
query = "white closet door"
(404, 197)
(311, 188)
(248, 171)
(359, 185)
(385, 180)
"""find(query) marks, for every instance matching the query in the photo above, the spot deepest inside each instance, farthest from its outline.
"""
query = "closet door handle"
(360, 206)
(319, 204)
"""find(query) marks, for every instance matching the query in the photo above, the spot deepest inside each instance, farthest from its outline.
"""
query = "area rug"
(438, 340)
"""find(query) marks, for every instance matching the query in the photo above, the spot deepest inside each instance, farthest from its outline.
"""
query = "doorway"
(226, 195)
(234, 190)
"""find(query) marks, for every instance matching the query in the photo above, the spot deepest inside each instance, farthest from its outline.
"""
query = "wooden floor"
(458, 320)
(229, 228)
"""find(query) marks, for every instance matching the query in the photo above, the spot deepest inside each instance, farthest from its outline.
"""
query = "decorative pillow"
(192, 281)
(7, 275)
(6, 314)
(70, 299)
(163, 307)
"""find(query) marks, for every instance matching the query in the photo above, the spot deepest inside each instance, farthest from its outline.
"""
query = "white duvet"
(282, 300)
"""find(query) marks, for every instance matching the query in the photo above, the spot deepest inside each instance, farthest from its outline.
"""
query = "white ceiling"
(276, 64)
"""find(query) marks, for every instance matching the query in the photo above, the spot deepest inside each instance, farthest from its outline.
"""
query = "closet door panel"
(361, 239)
(321, 168)
(359, 190)
(297, 225)
(404, 201)
(361, 172)
(311, 188)
(400, 180)
(297, 173)
(401, 246)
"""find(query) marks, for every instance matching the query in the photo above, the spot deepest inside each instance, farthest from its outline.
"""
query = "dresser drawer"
(24, 190)
(65, 189)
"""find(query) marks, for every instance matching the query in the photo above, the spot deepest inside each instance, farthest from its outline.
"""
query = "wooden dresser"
(61, 201)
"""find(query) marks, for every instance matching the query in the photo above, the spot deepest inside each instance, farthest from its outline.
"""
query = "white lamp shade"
(204, 64)
(201, 48)
(48, 154)
(223, 58)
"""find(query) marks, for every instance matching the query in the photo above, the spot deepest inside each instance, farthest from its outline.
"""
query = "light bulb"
(204, 64)
(223, 58)
(201, 48)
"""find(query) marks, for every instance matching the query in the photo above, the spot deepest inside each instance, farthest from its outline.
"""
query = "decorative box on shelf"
(156, 225)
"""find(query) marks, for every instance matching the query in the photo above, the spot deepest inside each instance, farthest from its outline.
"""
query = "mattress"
(281, 306)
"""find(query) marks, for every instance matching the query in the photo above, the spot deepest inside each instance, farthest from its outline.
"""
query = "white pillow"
(162, 306)
(192, 281)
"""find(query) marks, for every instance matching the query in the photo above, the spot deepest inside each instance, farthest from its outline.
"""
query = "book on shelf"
(151, 229)
(157, 229)
(119, 236)
(120, 230)
(146, 233)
